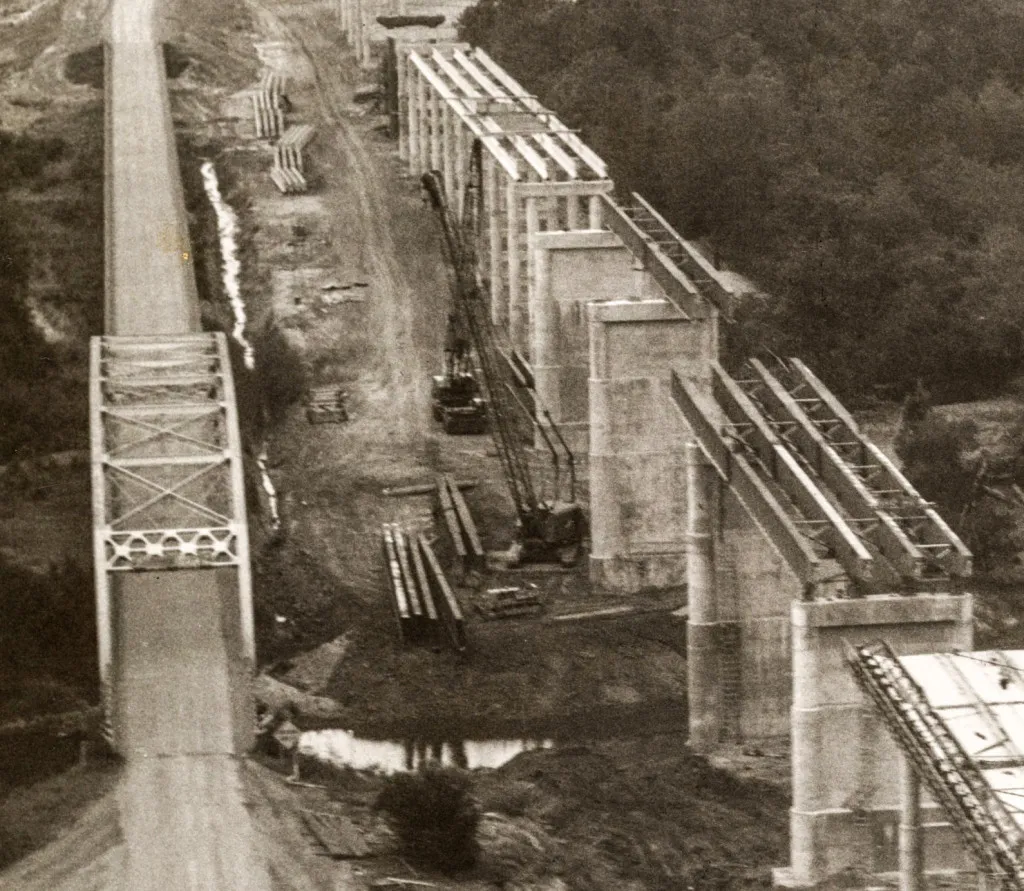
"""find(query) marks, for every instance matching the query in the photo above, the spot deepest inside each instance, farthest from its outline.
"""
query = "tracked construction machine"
(455, 396)
(550, 529)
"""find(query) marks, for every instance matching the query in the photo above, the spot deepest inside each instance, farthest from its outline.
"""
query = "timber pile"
(326, 405)
(509, 603)
(268, 105)
(288, 170)
(423, 601)
(469, 551)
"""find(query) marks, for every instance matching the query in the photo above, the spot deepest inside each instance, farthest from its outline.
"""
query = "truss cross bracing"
(818, 488)
(167, 477)
(959, 718)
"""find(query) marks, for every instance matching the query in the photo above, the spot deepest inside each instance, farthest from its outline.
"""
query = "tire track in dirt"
(408, 410)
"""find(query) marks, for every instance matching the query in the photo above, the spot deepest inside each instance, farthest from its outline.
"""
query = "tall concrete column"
(513, 256)
(594, 211)
(356, 37)
(448, 152)
(461, 164)
(435, 131)
(402, 89)
(521, 322)
(423, 112)
(495, 200)
(366, 22)
(414, 90)
(703, 674)
(637, 439)
(572, 211)
(911, 847)
(843, 763)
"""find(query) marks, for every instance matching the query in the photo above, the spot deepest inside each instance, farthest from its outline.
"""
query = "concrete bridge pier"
(571, 269)
(702, 662)
(846, 803)
(637, 470)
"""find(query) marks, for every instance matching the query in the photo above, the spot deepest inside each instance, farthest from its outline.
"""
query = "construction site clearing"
(351, 274)
(420, 581)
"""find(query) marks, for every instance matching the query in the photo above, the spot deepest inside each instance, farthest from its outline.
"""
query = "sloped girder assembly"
(938, 719)
(778, 517)
(875, 497)
(166, 455)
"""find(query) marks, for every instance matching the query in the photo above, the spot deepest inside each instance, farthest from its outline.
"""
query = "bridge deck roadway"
(180, 700)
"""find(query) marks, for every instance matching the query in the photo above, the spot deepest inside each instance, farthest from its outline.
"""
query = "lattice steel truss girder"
(651, 238)
(166, 454)
(990, 833)
(829, 527)
(802, 435)
(918, 519)
(751, 490)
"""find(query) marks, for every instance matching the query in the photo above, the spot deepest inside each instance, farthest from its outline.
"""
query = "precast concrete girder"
(750, 489)
(588, 155)
(491, 141)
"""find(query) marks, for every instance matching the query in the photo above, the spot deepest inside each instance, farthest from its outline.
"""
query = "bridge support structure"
(168, 490)
(538, 175)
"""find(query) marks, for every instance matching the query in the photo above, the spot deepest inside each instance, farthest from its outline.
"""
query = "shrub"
(434, 815)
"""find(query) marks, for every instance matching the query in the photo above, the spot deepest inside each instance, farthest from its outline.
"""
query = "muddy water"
(342, 748)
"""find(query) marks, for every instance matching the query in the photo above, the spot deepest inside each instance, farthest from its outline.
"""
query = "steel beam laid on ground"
(448, 609)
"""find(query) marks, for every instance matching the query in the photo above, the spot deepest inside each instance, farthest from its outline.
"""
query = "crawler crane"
(551, 529)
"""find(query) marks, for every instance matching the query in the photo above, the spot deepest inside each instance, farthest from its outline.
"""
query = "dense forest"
(860, 160)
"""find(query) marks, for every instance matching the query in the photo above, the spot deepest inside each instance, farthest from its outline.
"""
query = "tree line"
(859, 160)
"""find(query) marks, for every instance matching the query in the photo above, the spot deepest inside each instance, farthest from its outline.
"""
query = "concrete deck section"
(147, 236)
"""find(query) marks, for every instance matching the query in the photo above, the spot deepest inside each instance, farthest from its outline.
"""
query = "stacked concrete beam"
(537, 174)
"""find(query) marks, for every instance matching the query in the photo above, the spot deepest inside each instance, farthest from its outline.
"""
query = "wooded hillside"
(861, 160)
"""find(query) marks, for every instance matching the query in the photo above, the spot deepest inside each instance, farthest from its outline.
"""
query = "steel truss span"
(168, 489)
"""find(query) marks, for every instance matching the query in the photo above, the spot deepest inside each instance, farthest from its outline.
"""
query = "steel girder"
(166, 454)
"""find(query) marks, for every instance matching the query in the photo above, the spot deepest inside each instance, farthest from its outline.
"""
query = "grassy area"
(35, 815)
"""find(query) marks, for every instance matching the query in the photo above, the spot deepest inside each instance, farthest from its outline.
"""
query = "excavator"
(548, 529)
